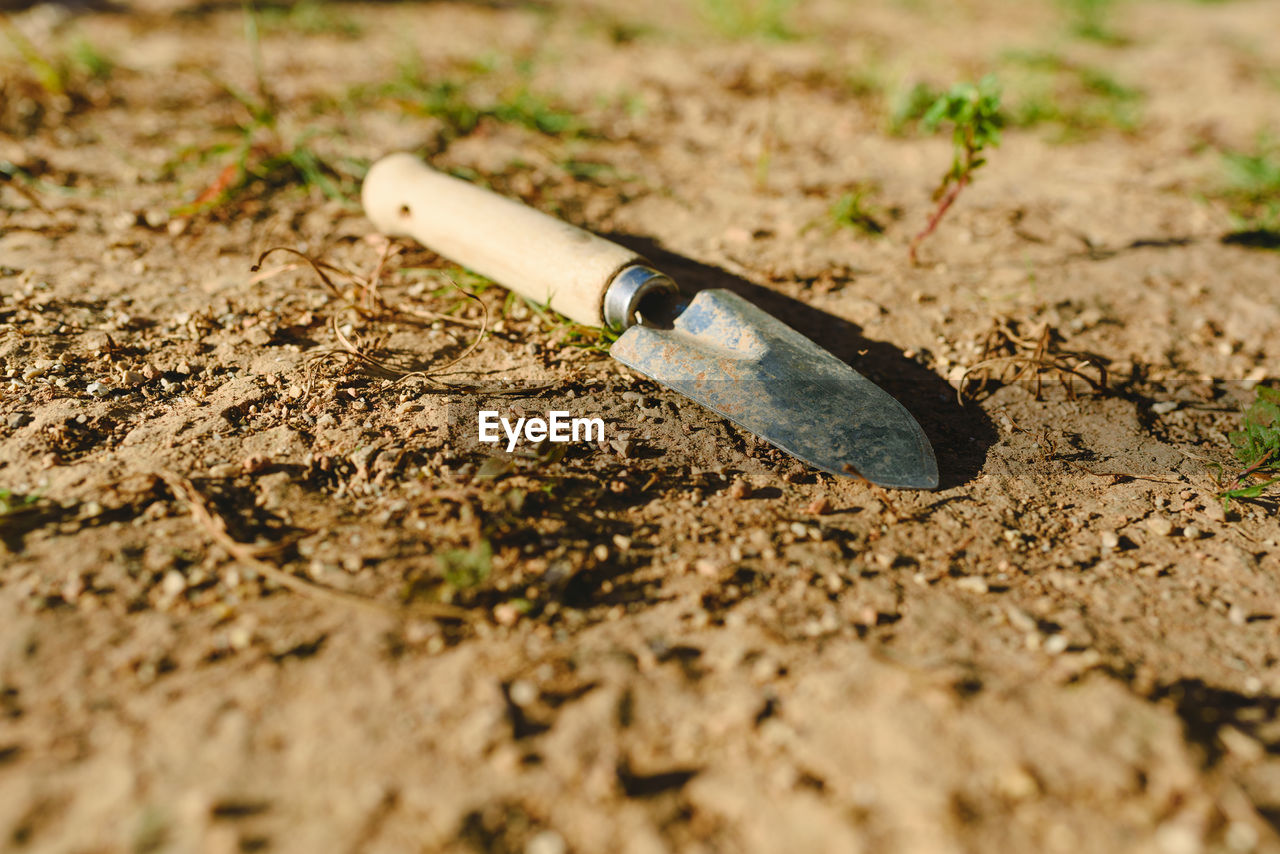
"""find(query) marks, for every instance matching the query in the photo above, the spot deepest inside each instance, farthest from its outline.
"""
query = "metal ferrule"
(628, 289)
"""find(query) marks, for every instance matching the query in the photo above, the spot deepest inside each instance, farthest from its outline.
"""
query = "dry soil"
(255, 596)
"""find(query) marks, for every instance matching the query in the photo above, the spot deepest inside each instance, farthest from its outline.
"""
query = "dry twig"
(216, 527)
(876, 490)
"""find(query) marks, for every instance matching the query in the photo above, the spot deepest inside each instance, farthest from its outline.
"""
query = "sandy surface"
(681, 639)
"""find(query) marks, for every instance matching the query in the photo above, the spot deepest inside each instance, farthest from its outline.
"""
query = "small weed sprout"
(467, 568)
(1253, 186)
(976, 117)
(852, 211)
(1257, 446)
(1045, 88)
(750, 18)
(60, 73)
(265, 158)
(311, 17)
(41, 86)
(13, 503)
(86, 56)
(461, 110)
(910, 106)
(570, 334)
(1089, 20)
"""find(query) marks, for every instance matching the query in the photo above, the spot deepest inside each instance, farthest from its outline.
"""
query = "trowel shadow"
(961, 435)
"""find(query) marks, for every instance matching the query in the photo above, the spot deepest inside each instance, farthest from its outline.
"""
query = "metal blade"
(741, 362)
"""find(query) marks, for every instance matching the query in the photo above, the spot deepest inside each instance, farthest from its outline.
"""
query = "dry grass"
(1008, 356)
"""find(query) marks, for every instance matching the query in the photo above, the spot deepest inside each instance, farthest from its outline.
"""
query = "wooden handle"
(522, 249)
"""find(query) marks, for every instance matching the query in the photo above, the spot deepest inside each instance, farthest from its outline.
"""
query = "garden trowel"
(717, 348)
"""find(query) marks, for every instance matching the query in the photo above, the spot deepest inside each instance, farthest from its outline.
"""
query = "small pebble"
(1245, 747)
(1191, 532)
(740, 490)
(1056, 644)
(1020, 619)
(1160, 526)
(622, 445)
(523, 693)
(546, 842)
(132, 378)
(255, 464)
(240, 637)
(97, 389)
(706, 568)
(1017, 785)
(973, 584)
(1110, 541)
(1177, 838)
(1241, 836)
(174, 583)
(1164, 407)
(18, 420)
(819, 506)
(124, 221)
(419, 631)
(505, 614)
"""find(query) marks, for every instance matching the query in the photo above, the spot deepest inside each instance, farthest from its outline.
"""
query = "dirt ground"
(256, 596)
